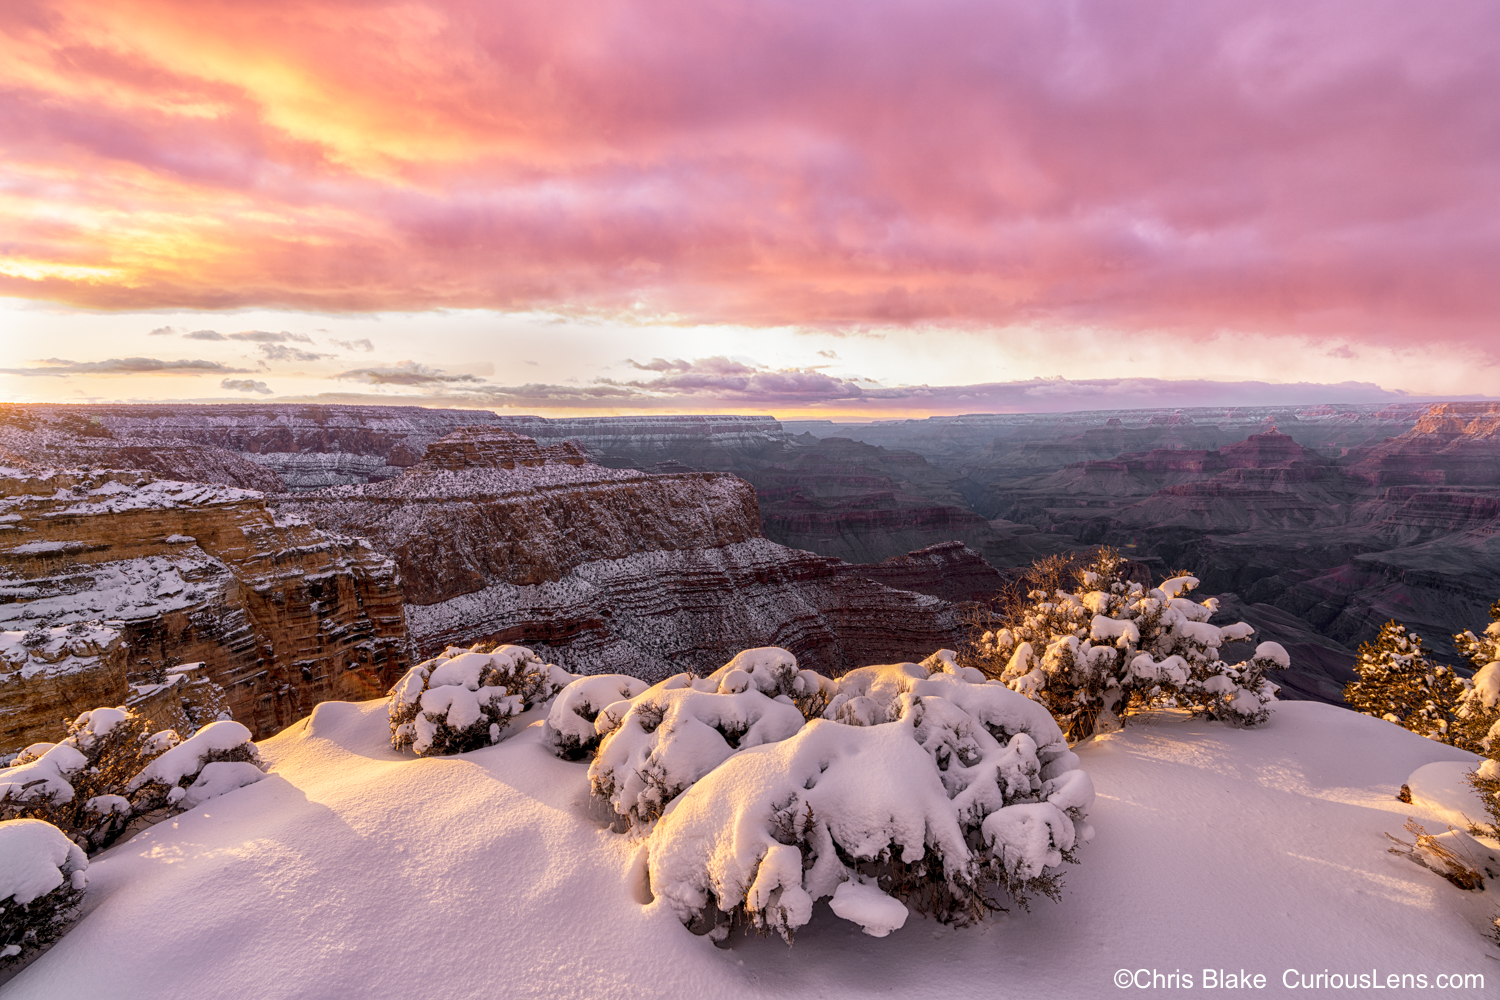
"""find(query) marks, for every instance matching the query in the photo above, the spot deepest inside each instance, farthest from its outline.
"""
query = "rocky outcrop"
(282, 615)
(51, 437)
(304, 446)
(950, 570)
(496, 448)
(657, 613)
(1456, 444)
(458, 531)
(502, 539)
(52, 673)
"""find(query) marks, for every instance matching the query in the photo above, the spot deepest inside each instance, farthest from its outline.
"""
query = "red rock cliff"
(284, 615)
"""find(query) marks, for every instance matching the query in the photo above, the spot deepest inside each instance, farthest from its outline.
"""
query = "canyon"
(657, 544)
(501, 539)
(283, 600)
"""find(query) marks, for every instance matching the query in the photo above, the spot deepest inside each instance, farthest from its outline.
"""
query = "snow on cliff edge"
(354, 871)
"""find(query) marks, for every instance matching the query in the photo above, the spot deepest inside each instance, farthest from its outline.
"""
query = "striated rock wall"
(950, 570)
(48, 674)
(501, 539)
(50, 437)
(455, 532)
(657, 613)
(282, 614)
(306, 446)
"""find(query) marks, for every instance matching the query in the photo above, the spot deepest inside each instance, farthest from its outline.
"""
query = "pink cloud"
(1326, 168)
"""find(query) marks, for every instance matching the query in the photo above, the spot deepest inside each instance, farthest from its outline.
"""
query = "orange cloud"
(1326, 167)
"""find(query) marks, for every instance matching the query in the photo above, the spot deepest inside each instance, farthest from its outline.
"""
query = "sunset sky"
(847, 207)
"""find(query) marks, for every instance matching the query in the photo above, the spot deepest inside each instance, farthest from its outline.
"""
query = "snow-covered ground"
(352, 871)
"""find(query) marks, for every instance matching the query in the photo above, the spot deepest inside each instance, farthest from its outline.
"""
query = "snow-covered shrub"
(42, 878)
(1399, 682)
(112, 769)
(920, 785)
(1476, 723)
(1485, 779)
(463, 699)
(1477, 720)
(922, 788)
(569, 728)
(1112, 647)
(77, 784)
(173, 777)
(662, 740)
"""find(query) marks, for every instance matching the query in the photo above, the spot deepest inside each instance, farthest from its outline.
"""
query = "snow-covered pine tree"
(1477, 721)
(1113, 647)
(1399, 682)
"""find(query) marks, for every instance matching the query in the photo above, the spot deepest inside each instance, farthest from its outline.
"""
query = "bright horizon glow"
(480, 351)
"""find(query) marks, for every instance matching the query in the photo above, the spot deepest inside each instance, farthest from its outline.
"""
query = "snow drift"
(357, 870)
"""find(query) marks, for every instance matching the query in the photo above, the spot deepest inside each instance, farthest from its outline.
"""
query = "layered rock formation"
(950, 570)
(1342, 515)
(49, 673)
(723, 443)
(300, 446)
(500, 539)
(995, 446)
(657, 613)
(1313, 539)
(455, 529)
(1456, 444)
(42, 437)
(309, 446)
(282, 615)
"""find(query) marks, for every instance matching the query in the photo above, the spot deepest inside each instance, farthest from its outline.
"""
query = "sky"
(858, 208)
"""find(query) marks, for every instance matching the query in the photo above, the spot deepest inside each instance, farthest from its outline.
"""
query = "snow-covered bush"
(42, 878)
(216, 759)
(1399, 682)
(1476, 723)
(111, 769)
(569, 728)
(1485, 779)
(1477, 719)
(463, 699)
(667, 737)
(1112, 647)
(920, 785)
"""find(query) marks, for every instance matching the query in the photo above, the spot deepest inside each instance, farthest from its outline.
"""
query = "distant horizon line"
(831, 419)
